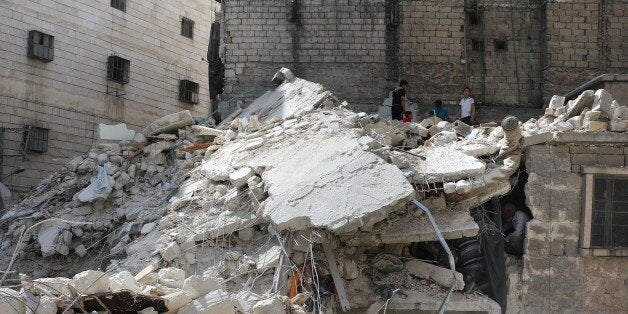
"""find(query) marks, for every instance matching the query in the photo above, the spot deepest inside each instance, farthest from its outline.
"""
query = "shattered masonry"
(247, 215)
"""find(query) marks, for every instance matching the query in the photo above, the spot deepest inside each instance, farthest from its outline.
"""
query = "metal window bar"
(187, 27)
(35, 139)
(118, 69)
(119, 4)
(40, 46)
(188, 91)
(610, 213)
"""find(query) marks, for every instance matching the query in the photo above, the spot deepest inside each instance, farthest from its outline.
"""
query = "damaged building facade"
(297, 204)
(67, 66)
(513, 54)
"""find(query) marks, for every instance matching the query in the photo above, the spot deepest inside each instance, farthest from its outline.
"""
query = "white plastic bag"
(99, 189)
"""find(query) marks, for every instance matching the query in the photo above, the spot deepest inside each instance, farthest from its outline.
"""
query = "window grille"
(118, 69)
(40, 46)
(187, 28)
(188, 92)
(477, 45)
(609, 224)
(475, 18)
(119, 4)
(36, 139)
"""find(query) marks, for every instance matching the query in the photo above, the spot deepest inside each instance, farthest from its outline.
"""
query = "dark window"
(187, 28)
(609, 224)
(475, 18)
(36, 139)
(188, 92)
(119, 4)
(477, 45)
(118, 69)
(500, 45)
(41, 46)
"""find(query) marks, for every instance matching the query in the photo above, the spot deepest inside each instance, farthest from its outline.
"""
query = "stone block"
(216, 302)
(556, 102)
(176, 300)
(596, 126)
(439, 275)
(584, 159)
(602, 101)
(124, 280)
(170, 252)
(239, 177)
(269, 306)
(611, 160)
(169, 123)
(585, 100)
(196, 286)
(90, 282)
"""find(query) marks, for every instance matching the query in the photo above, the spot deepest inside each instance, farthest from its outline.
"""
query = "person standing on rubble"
(466, 110)
(440, 111)
(399, 101)
(515, 222)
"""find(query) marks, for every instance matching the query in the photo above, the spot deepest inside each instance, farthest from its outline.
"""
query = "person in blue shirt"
(440, 111)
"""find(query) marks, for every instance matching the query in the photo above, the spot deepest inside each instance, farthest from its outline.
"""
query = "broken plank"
(335, 274)
(195, 147)
(147, 270)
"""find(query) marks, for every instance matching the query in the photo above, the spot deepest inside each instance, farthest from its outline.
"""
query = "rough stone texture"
(322, 180)
(91, 281)
(556, 277)
(11, 302)
(446, 164)
(453, 224)
(214, 302)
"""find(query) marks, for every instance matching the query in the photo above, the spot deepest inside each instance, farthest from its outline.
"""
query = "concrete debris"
(288, 192)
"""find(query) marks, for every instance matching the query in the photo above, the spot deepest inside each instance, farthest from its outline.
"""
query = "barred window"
(187, 27)
(477, 45)
(188, 92)
(36, 139)
(40, 46)
(118, 69)
(119, 4)
(609, 225)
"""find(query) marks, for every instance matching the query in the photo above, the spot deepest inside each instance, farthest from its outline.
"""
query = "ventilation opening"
(500, 45)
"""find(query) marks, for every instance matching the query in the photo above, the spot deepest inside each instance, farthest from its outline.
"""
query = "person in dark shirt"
(440, 111)
(399, 101)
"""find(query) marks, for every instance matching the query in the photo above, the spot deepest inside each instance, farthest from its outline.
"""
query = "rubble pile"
(294, 203)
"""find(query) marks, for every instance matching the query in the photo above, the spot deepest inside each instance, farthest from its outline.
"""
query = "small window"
(36, 139)
(187, 28)
(119, 4)
(188, 92)
(477, 45)
(40, 46)
(118, 69)
(475, 18)
(609, 224)
(500, 45)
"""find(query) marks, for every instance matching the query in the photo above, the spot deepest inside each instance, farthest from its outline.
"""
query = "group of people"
(466, 107)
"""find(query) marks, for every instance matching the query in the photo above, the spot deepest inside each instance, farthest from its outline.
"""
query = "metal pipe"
(452, 263)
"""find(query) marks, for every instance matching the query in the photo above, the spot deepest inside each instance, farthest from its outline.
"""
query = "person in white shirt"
(513, 241)
(466, 110)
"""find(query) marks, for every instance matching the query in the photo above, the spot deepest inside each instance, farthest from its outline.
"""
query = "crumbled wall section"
(556, 277)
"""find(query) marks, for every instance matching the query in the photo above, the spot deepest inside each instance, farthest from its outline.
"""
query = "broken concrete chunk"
(585, 100)
(176, 300)
(596, 126)
(602, 101)
(91, 282)
(171, 277)
(269, 258)
(439, 275)
(239, 177)
(244, 301)
(214, 302)
(556, 102)
(124, 280)
(118, 132)
(170, 252)
(272, 305)
(52, 286)
(80, 250)
(11, 302)
(169, 123)
(46, 238)
(196, 286)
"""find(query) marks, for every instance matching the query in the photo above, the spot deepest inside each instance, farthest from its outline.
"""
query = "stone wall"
(585, 38)
(361, 48)
(556, 276)
(71, 94)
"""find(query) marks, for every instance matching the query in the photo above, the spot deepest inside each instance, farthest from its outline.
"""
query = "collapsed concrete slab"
(445, 164)
(440, 275)
(118, 132)
(453, 224)
(169, 123)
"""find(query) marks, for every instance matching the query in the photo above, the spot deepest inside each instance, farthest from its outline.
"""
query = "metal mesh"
(118, 69)
(40, 46)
